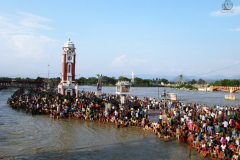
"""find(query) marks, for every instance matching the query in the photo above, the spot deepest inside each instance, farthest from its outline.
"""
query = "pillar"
(211, 88)
(123, 98)
(231, 89)
(63, 91)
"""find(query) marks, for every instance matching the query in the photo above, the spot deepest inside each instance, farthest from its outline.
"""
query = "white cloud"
(35, 17)
(119, 61)
(22, 23)
(235, 11)
(23, 44)
(236, 29)
(30, 46)
(123, 61)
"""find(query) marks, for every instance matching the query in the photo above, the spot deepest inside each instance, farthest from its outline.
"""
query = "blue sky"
(117, 37)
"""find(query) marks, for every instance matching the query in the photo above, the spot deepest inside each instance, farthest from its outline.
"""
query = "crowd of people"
(212, 131)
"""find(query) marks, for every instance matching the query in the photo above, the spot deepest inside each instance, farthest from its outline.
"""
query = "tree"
(201, 81)
(138, 80)
(217, 83)
(225, 82)
(81, 80)
(18, 79)
(153, 80)
(6, 78)
(39, 79)
(92, 80)
(58, 79)
(165, 81)
(193, 81)
(121, 78)
(146, 81)
(235, 82)
(109, 80)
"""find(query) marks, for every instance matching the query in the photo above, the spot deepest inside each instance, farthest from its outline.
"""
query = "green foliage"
(39, 79)
(109, 80)
(5, 78)
(146, 81)
(121, 78)
(165, 81)
(92, 80)
(58, 79)
(81, 80)
(193, 81)
(186, 86)
(201, 81)
(138, 80)
(227, 82)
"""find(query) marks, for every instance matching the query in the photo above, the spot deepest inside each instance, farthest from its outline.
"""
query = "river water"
(209, 98)
(23, 136)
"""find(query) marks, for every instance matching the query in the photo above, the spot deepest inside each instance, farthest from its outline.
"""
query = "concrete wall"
(230, 97)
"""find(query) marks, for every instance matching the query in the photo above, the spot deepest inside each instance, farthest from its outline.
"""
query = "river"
(23, 136)
(209, 98)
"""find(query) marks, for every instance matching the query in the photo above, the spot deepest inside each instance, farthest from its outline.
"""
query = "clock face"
(69, 58)
(228, 5)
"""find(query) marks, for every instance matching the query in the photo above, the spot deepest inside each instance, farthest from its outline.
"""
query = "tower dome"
(69, 44)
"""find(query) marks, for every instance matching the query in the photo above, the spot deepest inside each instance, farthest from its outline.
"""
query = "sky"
(116, 37)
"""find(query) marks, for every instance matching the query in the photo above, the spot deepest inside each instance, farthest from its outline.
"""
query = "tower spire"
(69, 39)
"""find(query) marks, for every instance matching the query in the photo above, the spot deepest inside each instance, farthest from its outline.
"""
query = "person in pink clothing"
(190, 125)
(222, 140)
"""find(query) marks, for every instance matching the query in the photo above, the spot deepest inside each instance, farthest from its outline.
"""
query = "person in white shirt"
(223, 146)
(225, 125)
(228, 139)
(213, 114)
(148, 106)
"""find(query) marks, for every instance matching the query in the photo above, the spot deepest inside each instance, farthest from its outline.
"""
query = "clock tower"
(67, 85)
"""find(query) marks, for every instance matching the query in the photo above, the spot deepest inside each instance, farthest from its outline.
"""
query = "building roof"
(69, 44)
(125, 83)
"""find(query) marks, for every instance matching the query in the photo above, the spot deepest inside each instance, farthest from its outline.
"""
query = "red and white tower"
(67, 85)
